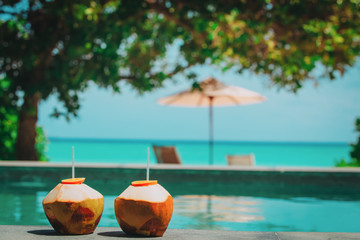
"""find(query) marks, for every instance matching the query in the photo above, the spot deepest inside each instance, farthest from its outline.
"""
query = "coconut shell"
(73, 208)
(144, 210)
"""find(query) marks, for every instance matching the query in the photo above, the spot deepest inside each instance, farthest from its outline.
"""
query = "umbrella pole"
(211, 139)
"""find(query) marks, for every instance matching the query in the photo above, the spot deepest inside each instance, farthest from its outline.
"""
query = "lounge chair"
(241, 160)
(166, 154)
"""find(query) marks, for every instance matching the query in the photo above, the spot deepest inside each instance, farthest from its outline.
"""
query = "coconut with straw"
(73, 207)
(144, 208)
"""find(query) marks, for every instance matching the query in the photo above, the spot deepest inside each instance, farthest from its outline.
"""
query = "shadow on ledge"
(120, 234)
(44, 232)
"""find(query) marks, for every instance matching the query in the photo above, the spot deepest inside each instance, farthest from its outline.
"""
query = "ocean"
(269, 154)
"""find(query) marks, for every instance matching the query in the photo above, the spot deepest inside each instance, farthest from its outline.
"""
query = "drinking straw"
(147, 165)
(73, 163)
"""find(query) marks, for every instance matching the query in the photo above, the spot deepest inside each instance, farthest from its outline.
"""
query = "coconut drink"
(144, 208)
(73, 207)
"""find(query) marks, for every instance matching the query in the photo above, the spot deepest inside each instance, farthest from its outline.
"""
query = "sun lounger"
(241, 160)
(166, 154)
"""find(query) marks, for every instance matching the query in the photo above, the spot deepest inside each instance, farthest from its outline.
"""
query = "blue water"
(238, 213)
(272, 154)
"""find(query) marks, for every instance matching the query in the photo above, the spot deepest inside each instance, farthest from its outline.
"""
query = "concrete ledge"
(45, 232)
(178, 167)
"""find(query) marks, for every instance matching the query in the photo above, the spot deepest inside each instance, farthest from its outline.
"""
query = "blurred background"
(90, 74)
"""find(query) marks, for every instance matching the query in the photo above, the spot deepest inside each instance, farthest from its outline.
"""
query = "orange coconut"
(73, 207)
(144, 208)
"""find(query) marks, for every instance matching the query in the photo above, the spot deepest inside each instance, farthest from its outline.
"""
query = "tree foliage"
(8, 126)
(59, 46)
(8, 121)
(355, 151)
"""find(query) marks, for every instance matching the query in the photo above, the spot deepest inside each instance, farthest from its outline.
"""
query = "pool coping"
(179, 167)
(324, 183)
(46, 232)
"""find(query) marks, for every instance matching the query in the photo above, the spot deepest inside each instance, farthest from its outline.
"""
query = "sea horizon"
(195, 141)
(267, 153)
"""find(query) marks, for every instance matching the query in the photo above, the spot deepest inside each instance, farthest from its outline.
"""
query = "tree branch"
(168, 75)
(12, 13)
(176, 71)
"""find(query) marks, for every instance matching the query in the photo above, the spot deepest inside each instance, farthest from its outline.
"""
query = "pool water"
(240, 213)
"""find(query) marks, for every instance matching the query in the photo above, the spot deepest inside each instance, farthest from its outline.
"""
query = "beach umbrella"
(212, 93)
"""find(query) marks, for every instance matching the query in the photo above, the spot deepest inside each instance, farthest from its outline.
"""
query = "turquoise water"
(214, 212)
(270, 154)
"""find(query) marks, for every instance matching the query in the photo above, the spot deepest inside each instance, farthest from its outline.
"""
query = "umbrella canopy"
(221, 94)
(212, 93)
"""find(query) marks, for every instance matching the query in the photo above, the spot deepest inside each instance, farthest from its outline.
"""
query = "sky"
(325, 113)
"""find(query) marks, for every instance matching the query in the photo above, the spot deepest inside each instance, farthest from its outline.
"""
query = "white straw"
(147, 165)
(73, 163)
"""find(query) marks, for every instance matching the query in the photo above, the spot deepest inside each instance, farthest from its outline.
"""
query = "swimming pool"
(241, 213)
(227, 199)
